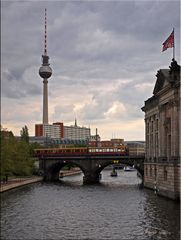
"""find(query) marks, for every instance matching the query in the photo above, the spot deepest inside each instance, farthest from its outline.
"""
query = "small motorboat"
(129, 169)
(113, 173)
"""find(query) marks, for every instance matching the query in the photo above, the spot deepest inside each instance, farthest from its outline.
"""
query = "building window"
(157, 125)
(155, 172)
(146, 171)
(156, 144)
(152, 126)
(165, 173)
(150, 171)
(151, 145)
(147, 128)
(169, 146)
(147, 145)
(167, 110)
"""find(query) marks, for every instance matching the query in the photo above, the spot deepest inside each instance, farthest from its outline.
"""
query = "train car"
(60, 151)
(80, 151)
(116, 151)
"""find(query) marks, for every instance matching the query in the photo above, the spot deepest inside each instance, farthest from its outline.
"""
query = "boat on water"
(129, 169)
(113, 173)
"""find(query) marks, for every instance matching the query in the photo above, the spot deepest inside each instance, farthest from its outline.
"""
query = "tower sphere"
(45, 71)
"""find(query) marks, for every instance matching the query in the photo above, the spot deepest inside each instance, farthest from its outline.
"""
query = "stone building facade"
(162, 134)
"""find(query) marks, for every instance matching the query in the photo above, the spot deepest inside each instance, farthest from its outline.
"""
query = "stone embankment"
(65, 173)
(18, 182)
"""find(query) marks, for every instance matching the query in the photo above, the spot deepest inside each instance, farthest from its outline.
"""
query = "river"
(115, 209)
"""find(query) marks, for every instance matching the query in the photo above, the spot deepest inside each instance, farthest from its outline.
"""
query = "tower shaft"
(45, 101)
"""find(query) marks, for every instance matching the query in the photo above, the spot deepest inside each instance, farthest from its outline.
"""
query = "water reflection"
(114, 209)
(164, 217)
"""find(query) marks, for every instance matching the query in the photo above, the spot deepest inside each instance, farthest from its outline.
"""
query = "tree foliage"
(16, 156)
(24, 134)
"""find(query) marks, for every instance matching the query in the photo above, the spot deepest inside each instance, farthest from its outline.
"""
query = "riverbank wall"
(18, 182)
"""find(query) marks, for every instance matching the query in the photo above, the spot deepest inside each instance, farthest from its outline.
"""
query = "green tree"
(32, 147)
(8, 142)
(16, 156)
(24, 134)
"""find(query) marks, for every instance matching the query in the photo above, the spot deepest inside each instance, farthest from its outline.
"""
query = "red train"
(77, 151)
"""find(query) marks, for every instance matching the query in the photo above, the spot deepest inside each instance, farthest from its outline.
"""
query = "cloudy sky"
(104, 56)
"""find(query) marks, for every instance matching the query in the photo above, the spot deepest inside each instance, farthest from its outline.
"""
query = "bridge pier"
(48, 176)
(91, 178)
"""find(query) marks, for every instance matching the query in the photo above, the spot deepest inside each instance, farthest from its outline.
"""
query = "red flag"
(169, 43)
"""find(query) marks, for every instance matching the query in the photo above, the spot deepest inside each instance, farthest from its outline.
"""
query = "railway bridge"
(90, 164)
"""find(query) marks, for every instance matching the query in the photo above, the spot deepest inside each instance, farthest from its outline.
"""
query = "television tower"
(45, 72)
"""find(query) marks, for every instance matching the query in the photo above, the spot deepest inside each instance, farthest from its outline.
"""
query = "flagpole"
(173, 44)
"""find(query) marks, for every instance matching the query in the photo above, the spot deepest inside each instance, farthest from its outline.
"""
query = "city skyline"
(104, 57)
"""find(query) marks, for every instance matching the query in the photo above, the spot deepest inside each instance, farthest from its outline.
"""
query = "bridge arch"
(52, 172)
(104, 164)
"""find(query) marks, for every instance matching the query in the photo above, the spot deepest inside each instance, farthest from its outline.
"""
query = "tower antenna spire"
(45, 40)
(45, 72)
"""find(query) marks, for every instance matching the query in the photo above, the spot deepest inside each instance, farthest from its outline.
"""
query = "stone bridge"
(90, 166)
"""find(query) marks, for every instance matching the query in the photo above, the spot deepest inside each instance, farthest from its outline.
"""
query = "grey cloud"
(93, 45)
(16, 86)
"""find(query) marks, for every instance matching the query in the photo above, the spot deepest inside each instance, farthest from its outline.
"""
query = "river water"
(115, 209)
